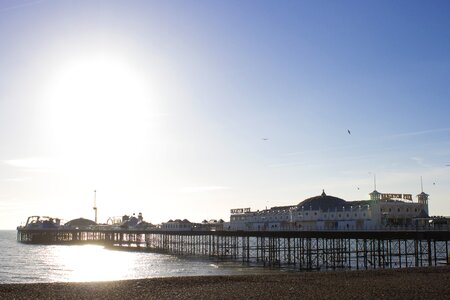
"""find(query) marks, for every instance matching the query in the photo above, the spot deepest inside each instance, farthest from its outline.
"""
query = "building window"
(398, 209)
(306, 214)
(390, 209)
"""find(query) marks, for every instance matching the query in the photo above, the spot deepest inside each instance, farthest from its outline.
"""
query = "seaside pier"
(301, 250)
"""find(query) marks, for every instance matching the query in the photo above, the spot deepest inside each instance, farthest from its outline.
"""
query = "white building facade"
(177, 225)
(326, 212)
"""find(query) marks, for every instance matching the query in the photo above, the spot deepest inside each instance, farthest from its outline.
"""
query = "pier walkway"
(302, 250)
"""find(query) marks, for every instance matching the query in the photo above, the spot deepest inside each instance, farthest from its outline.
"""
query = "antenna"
(95, 205)
(375, 181)
(421, 184)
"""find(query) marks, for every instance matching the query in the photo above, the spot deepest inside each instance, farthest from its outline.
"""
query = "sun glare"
(93, 263)
(97, 109)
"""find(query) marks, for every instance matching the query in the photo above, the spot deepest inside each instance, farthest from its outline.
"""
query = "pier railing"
(303, 250)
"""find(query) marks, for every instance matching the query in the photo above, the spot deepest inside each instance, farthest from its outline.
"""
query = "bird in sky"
(348, 130)
(264, 139)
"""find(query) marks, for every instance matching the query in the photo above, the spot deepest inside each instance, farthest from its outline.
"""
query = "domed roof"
(80, 222)
(323, 202)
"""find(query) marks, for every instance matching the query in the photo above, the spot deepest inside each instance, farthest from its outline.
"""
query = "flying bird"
(348, 130)
(264, 139)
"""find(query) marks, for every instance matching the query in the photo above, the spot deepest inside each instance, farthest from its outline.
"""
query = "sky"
(187, 109)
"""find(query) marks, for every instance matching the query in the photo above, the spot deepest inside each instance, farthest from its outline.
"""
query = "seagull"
(348, 130)
(264, 139)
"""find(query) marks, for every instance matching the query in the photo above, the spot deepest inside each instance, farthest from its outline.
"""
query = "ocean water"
(23, 263)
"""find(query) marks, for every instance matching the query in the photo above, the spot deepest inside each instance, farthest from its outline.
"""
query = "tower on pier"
(375, 195)
(422, 198)
(95, 205)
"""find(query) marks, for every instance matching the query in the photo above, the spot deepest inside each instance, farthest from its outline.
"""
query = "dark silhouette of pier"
(302, 250)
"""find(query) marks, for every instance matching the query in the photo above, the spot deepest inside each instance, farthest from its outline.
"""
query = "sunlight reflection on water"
(50, 263)
(93, 263)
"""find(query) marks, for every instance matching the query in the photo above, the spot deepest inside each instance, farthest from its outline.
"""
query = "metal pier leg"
(447, 254)
(429, 253)
(365, 253)
(357, 253)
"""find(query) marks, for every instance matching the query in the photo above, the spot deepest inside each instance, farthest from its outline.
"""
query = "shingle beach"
(412, 283)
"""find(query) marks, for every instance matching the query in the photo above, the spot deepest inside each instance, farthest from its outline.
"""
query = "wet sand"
(413, 283)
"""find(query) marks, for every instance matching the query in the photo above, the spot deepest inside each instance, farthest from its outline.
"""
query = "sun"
(97, 108)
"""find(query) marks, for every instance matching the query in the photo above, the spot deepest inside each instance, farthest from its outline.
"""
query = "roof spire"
(323, 193)
(374, 181)
(421, 184)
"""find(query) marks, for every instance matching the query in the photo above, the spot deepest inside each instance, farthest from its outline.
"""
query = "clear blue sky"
(163, 106)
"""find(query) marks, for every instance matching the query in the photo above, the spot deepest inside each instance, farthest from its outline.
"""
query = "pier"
(300, 250)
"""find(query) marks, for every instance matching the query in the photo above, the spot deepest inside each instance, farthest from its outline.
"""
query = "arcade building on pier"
(324, 212)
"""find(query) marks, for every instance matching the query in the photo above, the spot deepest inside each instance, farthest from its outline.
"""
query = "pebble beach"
(411, 283)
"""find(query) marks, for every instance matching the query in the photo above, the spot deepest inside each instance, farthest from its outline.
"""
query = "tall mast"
(374, 181)
(95, 205)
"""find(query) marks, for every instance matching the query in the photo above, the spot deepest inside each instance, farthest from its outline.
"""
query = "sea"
(25, 263)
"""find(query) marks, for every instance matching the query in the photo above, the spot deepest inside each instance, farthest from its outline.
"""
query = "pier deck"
(303, 250)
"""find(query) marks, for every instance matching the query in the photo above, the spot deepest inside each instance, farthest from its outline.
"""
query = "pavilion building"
(325, 212)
